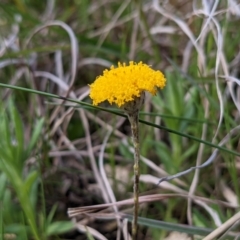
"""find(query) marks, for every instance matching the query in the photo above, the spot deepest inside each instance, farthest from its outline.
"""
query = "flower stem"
(133, 118)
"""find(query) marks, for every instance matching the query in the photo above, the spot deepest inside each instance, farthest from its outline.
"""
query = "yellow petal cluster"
(122, 84)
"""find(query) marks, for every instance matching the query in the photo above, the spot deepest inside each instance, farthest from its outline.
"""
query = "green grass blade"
(35, 136)
(167, 226)
(122, 115)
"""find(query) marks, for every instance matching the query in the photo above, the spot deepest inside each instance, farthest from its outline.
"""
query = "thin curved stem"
(133, 118)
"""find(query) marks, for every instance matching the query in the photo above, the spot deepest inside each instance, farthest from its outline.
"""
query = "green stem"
(133, 118)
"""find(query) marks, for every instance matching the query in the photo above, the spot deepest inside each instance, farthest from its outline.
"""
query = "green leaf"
(7, 203)
(29, 182)
(17, 136)
(173, 94)
(164, 154)
(173, 226)
(5, 141)
(35, 135)
(3, 180)
(59, 227)
(161, 225)
(1, 224)
(51, 214)
(18, 229)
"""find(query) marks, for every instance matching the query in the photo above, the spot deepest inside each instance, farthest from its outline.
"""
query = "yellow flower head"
(123, 84)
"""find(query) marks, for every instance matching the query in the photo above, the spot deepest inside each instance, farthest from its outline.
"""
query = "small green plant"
(20, 183)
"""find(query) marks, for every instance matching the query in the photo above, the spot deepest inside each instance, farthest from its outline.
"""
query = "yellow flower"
(124, 83)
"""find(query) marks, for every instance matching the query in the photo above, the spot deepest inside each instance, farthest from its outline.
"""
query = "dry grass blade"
(88, 230)
(184, 27)
(74, 212)
(224, 227)
(109, 190)
(74, 44)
